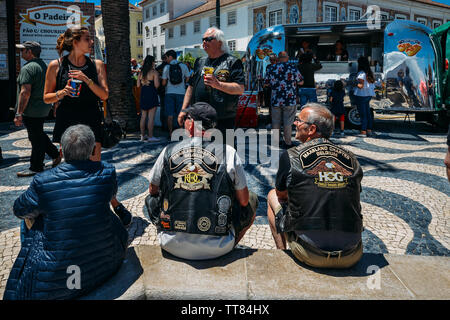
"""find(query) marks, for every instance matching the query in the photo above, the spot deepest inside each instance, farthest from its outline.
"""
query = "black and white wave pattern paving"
(405, 197)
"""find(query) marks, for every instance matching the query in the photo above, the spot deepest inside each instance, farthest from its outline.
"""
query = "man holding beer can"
(218, 79)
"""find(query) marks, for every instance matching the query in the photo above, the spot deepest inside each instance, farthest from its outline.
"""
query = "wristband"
(90, 81)
(57, 95)
(18, 114)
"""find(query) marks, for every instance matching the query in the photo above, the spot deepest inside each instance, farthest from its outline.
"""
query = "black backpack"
(175, 73)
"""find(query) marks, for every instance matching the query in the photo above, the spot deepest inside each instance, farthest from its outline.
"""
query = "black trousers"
(40, 143)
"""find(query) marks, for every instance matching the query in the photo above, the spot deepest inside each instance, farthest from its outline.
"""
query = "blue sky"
(97, 2)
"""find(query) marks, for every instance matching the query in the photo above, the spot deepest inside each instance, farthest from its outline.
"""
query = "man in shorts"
(315, 206)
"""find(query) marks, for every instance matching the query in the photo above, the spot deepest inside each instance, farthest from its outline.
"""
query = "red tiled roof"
(434, 3)
(210, 5)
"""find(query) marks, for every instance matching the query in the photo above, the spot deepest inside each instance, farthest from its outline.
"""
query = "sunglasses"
(208, 39)
(297, 119)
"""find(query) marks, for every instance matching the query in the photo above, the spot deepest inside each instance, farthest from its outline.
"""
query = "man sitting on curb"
(200, 204)
(316, 203)
(74, 242)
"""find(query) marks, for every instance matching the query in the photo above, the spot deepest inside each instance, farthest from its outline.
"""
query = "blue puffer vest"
(74, 227)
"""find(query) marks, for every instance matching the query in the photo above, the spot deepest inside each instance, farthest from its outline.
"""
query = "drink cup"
(206, 71)
(76, 85)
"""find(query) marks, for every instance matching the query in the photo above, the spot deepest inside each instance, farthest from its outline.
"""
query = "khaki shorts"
(285, 114)
(314, 259)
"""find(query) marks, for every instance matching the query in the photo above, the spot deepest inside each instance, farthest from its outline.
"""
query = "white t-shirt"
(175, 88)
(198, 246)
(368, 89)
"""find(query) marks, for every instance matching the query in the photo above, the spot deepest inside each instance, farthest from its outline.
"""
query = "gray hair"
(321, 117)
(220, 36)
(77, 143)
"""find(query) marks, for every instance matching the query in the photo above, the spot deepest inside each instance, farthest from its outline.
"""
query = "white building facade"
(155, 14)
(241, 19)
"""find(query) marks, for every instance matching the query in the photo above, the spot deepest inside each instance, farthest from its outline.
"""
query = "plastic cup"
(76, 85)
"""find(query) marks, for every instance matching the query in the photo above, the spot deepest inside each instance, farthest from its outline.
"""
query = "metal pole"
(218, 13)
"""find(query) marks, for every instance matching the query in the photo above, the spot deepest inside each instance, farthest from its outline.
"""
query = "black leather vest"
(324, 186)
(197, 194)
(224, 103)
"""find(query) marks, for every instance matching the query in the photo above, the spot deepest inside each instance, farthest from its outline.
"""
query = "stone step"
(151, 273)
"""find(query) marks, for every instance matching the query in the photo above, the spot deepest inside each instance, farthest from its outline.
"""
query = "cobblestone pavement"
(405, 197)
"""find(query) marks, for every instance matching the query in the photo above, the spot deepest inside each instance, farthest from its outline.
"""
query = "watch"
(19, 114)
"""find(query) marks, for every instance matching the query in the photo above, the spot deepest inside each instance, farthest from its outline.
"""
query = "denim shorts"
(173, 103)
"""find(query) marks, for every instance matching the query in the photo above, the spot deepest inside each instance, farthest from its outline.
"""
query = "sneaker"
(144, 138)
(342, 134)
(26, 173)
(153, 139)
(124, 215)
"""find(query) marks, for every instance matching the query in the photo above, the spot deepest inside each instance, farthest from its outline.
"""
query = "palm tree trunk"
(116, 24)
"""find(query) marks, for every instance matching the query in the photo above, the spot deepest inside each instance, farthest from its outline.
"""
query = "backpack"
(175, 73)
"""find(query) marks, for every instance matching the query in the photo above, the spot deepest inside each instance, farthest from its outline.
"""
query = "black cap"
(202, 111)
(28, 45)
(33, 45)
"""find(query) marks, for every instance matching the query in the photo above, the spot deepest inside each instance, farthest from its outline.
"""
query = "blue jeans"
(363, 105)
(307, 95)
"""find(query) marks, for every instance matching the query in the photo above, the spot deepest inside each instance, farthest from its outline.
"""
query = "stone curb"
(248, 274)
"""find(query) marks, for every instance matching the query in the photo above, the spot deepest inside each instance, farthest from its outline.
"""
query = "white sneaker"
(144, 138)
(153, 139)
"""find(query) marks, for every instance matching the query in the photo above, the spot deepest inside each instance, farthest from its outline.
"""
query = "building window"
(436, 24)
(384, 16)
(147, 32)
(162, 50)
(212, 21)
(330, 12)
(354, 14)
(197, 47)
(139, 27)
(196, 26)
(170, 32)
(422, 21)
(155, 32)
(183, 30)
(147, 13)
(232, 45)
(147, 51)
(154, 11)
(154, 52)
(231, 18)
(139, 43)
(140, 56)
(162, 7)
(400, 17)
(275, 18)
(162, 30)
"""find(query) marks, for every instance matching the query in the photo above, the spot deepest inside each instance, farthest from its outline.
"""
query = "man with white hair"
(315, 205)
(69, 224)
(218, 79)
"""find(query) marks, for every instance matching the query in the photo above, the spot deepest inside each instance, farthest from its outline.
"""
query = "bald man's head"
(283, 56)
(321, 117)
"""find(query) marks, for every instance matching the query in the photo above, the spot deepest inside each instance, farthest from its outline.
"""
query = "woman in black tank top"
(84, 108)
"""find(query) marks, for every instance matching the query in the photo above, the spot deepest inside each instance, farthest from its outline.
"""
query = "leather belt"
(327, 254)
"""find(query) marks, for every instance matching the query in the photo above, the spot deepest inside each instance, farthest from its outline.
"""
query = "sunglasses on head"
(208, 39)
